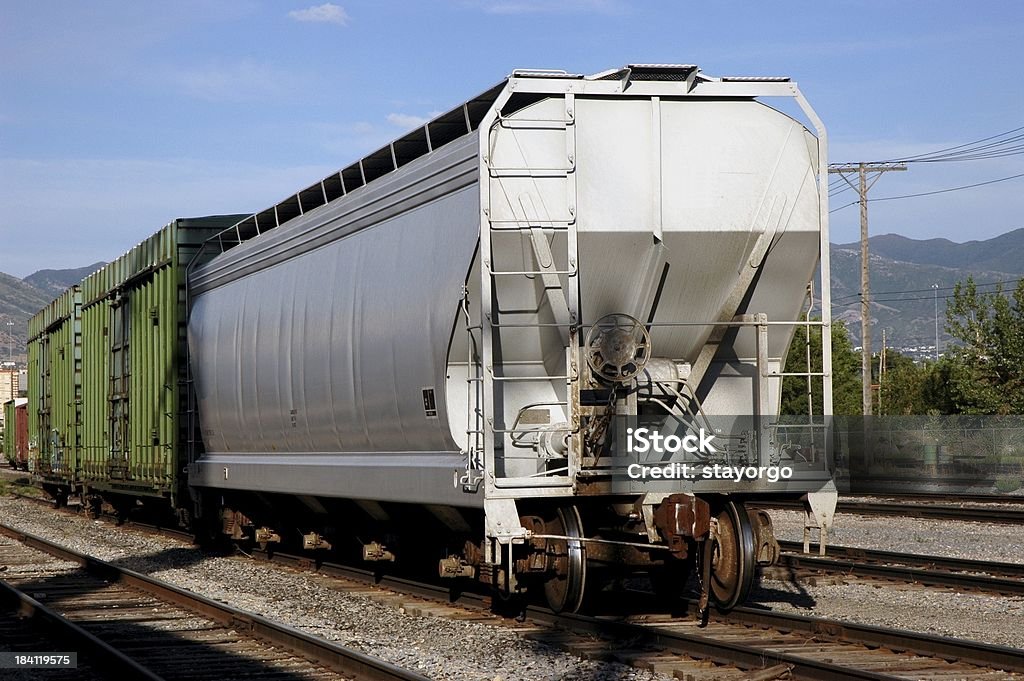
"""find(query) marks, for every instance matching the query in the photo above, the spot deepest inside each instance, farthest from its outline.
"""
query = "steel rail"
(914, 559)
(974, 575)
(103, 655)
(749, 657)
(977, 514)
(339, 658)
(947, 497)
(746, 657)
(897, 640)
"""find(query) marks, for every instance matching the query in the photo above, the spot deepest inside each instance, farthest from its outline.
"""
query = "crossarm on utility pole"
(864, 183)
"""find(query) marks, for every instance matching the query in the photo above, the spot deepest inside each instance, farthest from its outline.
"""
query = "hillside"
(53, 282)
(903, 301)
(1004, 253)
(903, 272)
(19, 300)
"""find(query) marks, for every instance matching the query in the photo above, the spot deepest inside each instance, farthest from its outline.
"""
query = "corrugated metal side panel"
(95, 384)
(321, 335)
(15, 433)
(59, 416)
(59, 308)
(150, 281)
(9, 429)
(34, 390)
(66, 406)
(20, 427)
(147, 254)
(94, 285)
(153, 381)
(35, 325)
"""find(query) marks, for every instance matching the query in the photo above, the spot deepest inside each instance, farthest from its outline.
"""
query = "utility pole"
(935, 295)
(881, 375)
(10, 342)
(864, 183)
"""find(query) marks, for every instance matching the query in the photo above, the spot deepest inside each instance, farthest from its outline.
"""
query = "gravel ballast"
(992, 619)
(949, 538)
(437, 647)
(451, 649)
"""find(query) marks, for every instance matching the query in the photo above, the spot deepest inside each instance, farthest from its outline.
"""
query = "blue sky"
(116, 117)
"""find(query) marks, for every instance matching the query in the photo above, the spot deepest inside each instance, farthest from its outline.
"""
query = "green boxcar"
(134, 378)
(15, 439)
(55, 390)
(9, 430)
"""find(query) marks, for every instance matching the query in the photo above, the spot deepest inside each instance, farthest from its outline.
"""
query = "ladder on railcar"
(529, 209)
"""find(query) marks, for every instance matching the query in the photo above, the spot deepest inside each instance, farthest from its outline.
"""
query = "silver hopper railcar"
(466, 341)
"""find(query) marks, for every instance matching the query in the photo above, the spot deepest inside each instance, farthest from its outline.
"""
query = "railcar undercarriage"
(571, 551)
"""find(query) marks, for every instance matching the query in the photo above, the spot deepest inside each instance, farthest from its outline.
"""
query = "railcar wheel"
(732, 557)
(564, 590)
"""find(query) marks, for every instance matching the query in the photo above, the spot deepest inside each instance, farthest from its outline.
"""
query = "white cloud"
(409, 121)
(327, 13)
(406, 121)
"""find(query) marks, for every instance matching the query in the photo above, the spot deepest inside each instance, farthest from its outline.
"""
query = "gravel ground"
(950, 538)
(448, 649)
(437, 647)
(40, 564)
(993, 619)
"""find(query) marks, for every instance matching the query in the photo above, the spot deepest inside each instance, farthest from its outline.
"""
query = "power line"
(845, 205)
(940, 288)
(1001, 145)
(947, 296)
(932, 193)
(837, 192)
(951, 189)
(901, 300)
(964, 150)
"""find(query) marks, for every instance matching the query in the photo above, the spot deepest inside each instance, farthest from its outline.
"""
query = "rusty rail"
(977, 514)
(330, 655)
(932, 571)
(814, 643)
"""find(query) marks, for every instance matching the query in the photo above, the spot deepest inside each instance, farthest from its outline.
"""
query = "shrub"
(1008, 484)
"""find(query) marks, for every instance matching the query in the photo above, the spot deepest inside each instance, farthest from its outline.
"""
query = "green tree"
(937, 388)
(846, 391)
(901, 393)
(987, 364)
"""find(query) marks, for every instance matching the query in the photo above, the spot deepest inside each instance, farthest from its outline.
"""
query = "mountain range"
(911, 280)
(20, 299)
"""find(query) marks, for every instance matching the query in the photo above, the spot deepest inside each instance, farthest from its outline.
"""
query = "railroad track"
(951, 497)
(134, 627)
(1005, 579)
(23, 633)
(977, 513)
(746, 643)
